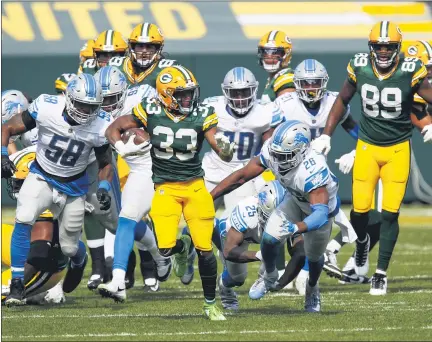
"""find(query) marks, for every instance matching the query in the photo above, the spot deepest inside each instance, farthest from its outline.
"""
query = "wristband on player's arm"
(104, 184)
(4, 151)
(354, 132)
(318, 218)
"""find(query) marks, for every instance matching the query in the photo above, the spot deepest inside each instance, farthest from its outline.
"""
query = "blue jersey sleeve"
(317, 180)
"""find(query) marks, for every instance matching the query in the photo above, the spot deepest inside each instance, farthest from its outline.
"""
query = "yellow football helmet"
(22, 160)
(274, 51)
(86, 51)
(108, 44)
(422, 50)
(177, 89)
(385, 41)
(145, 44)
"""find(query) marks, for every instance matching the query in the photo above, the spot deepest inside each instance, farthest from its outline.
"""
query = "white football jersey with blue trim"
(134, 96)
(311, 174)
(29, 138)
(64, 150)
(244, 219)
(245, 131)
(294, 109)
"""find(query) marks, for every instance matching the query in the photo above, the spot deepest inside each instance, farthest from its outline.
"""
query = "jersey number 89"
(390, 98)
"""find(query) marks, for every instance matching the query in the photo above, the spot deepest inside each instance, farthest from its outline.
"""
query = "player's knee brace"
(38, 254)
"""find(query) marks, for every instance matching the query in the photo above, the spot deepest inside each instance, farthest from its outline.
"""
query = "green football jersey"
(146, 77)
(176, 140)
(386, 101)
(89, 67)
(283, 79)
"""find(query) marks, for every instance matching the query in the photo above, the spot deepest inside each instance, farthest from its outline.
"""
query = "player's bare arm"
(339, 107)
(425, 91)
(104, 157)
(267, 135)
(18, 124)
(121, 124)
(211, 139)
(232, 251)
(253, 169)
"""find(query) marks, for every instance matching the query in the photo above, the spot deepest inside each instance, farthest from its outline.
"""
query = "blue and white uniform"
(247, 133)
(58, 180)
(311, 174)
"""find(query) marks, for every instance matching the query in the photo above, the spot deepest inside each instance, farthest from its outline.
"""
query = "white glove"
(226, 147)
(259, 255)
(346, 162)
(322, 144)
(130, 149)
(427, 133)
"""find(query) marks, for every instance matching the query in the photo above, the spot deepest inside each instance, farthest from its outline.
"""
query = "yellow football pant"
(391, 164)
(123, 171)
(191, 199)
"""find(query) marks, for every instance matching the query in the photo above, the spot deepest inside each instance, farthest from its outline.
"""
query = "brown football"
(140, 135)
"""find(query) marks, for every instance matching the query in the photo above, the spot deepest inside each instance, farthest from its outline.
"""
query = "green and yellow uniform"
(383, 148)
(280, 81)
(177, 171)
(62, 81)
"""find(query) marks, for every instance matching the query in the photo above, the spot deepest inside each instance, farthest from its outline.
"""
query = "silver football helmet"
(240, 90)
(114, 86)
(310, 80)
(289, 144)
(269, 197)
(13, 102)
(83, 99)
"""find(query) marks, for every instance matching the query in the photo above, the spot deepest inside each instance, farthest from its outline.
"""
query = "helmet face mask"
(103, 57)
(186, 99)
(384, 54)
(310, 80)
(271, 58)
(145, 54)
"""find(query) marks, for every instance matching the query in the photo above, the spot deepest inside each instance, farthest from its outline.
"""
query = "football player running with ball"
(386, 84)
(178, 125)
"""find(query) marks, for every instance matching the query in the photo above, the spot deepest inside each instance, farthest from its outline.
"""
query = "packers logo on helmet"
(145, 44)
(421, 49)
(108, 44)
(385, 41)
(177, 89)
(22, 160)
(274, 51)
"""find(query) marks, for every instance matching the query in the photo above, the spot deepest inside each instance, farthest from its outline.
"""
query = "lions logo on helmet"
(13, 102)
(269, 197)
(289, 144)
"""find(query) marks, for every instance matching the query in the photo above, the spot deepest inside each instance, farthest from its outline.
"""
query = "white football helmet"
(269, 197)
(240, 89)
(13, 102)
(310, 80)
(114, 86)
(289, 144)
(83, 98)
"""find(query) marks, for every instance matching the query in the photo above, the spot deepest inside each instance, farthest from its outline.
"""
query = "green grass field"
(175, 312)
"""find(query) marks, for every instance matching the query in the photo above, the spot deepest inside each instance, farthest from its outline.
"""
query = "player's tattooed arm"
(18, 124)
(425, 91)
(252, 169)
(121, 124)
(104, 158)
(232, 251)
(339, 107)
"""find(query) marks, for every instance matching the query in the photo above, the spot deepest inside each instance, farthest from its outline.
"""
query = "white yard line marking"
(220, 332)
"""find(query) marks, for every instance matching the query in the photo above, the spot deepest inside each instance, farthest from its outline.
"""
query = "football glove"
(104, 198)
(290, 228)
(7, 166)
(346, 162)
(226, 147)
(427, 133)
(130, 148)
(322, 144)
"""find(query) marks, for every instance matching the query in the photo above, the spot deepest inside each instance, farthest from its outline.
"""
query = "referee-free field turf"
(175, 312)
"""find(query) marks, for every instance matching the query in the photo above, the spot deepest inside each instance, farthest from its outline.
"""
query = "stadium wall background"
(36, 74)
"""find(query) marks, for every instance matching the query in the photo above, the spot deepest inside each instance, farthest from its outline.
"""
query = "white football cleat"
(378, 285)
(114, 290)
(312, 298)
(151, 284)
(300, 282)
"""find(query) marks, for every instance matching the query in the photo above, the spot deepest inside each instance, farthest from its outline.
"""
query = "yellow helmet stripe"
(109, 37)
(145, 30)
(184, 72)
(272, 35)
(384, 29)
(428, 48)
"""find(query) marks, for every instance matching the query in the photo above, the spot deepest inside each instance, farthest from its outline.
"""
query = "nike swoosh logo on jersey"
(196, 190)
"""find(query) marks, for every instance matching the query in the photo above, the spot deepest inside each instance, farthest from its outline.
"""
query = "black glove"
(7, 167)
(104, 198)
